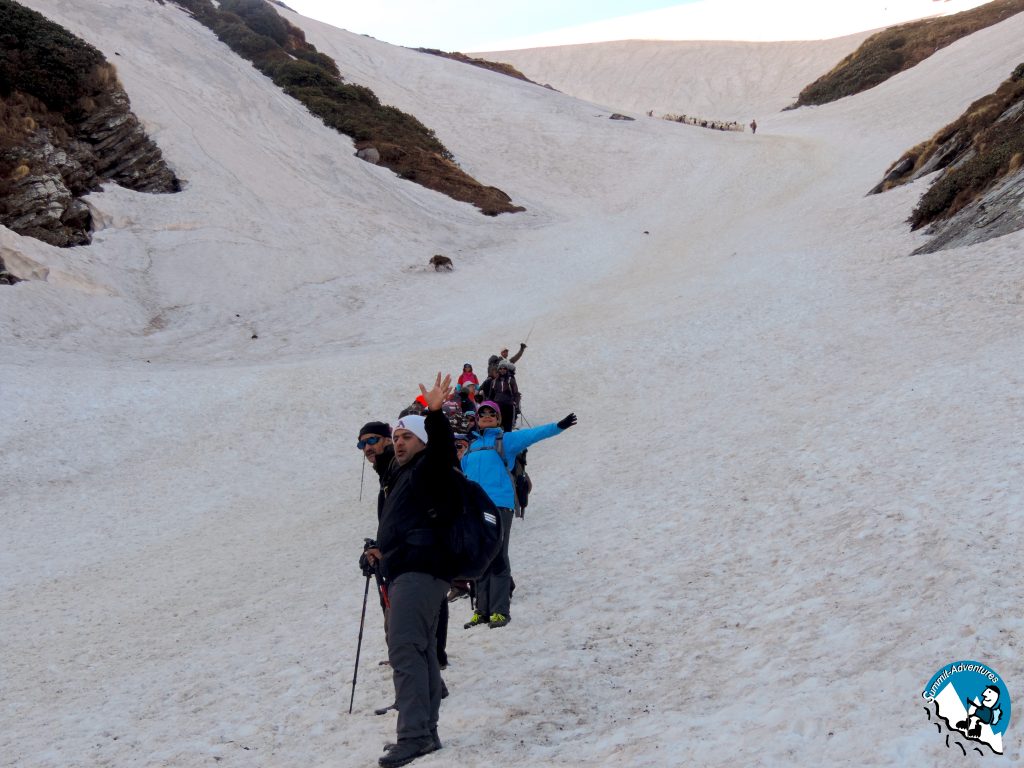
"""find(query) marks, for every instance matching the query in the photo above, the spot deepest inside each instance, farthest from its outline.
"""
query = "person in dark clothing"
(517, 356)
(505, 392)
(375, 443)
(421, 498)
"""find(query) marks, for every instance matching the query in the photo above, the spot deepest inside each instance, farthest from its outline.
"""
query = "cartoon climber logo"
(973, 703)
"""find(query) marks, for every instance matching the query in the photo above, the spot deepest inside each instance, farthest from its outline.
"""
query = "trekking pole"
(531, 332)
(359, 645)
(361, 473)
(523, 417)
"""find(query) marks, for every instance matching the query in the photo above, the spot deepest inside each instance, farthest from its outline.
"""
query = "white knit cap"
(414, 424)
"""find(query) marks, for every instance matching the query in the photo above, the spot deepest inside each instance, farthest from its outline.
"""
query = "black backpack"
(474, 538)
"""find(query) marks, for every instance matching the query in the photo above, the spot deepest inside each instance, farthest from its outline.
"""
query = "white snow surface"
(794, 492)
(715, 80)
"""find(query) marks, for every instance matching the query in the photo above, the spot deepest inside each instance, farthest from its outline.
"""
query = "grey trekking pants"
(494, 588)
(412, 650)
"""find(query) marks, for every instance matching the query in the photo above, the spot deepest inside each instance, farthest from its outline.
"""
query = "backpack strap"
(499, 448)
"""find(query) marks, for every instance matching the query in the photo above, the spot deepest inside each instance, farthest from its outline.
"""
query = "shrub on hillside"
(43, 59)
(997, 151)
(260, 18)
(302, 74)
(253, 29)
(244, 41)
(321, 60)
(893, 50)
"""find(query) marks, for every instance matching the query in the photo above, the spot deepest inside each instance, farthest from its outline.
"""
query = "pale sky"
(465, 25)
(485, 25)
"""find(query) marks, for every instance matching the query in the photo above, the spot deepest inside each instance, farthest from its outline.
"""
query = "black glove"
(568, 421)
(365, 567)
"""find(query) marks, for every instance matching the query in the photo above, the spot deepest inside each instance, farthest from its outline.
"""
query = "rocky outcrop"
(978, 192)
(124, 153)
(60, 165)
(998, 212)
(6, 278)
(369, 154)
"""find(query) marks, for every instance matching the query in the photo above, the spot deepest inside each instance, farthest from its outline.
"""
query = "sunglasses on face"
(368, 441)
(485, 414)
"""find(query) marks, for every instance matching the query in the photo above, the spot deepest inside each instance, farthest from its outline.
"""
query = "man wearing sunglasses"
(375, 443)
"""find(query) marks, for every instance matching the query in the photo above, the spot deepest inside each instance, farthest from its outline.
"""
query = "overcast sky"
(485, 25)
(465, 25)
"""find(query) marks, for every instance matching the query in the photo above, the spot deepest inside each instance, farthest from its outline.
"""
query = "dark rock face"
(108, 144)
(6, 278)
(999, 211)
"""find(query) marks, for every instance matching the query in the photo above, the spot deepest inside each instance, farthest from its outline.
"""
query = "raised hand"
(442, 391)
(568, 421)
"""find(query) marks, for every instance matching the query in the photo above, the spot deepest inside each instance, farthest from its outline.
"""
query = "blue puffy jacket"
(482, 463)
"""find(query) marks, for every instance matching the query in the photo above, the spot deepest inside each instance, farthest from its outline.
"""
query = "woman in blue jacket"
(489, 461)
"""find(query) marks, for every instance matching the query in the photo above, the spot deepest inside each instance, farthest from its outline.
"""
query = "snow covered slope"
(717, 80)
(794, 490)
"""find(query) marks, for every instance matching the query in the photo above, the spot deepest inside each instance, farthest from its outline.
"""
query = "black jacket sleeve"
(438, 468)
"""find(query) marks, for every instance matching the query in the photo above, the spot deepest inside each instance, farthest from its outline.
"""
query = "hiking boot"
(475, 620)
(388, 746)
(407, 750)
(498, 620)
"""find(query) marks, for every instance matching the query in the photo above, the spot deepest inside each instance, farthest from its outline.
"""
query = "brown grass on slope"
(895, 49)
(494, 66)
(256, 32)
(979, 148)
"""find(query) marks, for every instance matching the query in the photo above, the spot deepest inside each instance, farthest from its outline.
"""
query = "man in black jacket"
(419, 500)
(375, 443)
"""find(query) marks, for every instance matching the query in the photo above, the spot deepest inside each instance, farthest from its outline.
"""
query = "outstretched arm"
(517, 441)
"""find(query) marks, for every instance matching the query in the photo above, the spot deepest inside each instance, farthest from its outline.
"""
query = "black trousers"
(412, 650)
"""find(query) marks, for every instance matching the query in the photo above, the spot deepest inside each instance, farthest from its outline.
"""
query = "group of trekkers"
(468, 427)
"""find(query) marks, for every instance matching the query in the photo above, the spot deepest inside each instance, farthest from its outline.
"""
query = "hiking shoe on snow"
(498, 620)
(475, 620)
(388, 746)
(407, 750)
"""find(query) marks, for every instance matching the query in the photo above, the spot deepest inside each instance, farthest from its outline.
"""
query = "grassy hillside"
(493, 66)
(982, 146)
(895, 49)
(46, 75)
(66, 127)
(254, 30)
